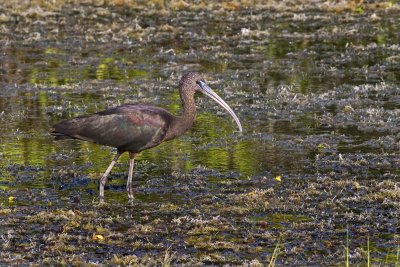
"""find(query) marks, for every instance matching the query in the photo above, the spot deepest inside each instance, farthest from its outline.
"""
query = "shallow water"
(317, 94)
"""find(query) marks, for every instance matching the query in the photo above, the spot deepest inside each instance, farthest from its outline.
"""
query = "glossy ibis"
(135, 127)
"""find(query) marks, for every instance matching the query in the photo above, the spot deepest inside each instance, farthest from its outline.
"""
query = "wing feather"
(129, 127)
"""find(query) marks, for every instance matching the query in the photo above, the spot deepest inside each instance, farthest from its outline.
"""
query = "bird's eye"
(200, 82)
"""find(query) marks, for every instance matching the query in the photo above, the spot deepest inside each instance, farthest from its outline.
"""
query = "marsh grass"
(176, 5)
(368, 253)
(347, 248)
(388, 260)
(167, 258)
(275, 254)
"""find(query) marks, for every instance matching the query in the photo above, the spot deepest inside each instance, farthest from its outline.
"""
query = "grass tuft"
(347, 248)
(275, 254)
(167, 258)
(368, 253)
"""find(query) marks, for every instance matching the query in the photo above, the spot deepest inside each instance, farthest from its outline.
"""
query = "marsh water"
(315, 170)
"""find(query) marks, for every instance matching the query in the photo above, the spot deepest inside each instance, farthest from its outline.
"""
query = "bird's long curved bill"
(209, 92)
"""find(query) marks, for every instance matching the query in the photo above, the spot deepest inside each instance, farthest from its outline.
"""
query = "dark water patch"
(80, 182)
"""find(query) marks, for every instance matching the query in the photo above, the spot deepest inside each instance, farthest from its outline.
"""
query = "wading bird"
(134, 127)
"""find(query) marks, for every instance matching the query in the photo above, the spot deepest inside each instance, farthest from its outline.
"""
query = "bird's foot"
(101, 201)
(131, 199)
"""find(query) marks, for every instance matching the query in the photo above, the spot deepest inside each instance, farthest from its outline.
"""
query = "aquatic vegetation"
(313, 180)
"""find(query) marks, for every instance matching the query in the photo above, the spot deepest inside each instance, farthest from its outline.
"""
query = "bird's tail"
(59, 136)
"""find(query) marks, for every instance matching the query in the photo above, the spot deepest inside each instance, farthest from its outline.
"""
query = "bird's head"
(194, 82)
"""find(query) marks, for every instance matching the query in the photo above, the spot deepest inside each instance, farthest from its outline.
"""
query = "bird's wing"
(129, 127)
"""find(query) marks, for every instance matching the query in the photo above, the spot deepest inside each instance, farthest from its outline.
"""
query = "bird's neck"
(188, 111)
(185, 121)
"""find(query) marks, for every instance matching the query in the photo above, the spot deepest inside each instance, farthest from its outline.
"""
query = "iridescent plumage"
(134, 128)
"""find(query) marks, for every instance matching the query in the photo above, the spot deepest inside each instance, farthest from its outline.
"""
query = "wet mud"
(313, 179)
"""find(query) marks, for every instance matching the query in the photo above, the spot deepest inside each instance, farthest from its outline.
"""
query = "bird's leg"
(103, 178)
(130, 174)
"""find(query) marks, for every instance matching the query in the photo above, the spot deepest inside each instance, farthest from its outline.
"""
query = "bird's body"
(129, 127)
(134, 127)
